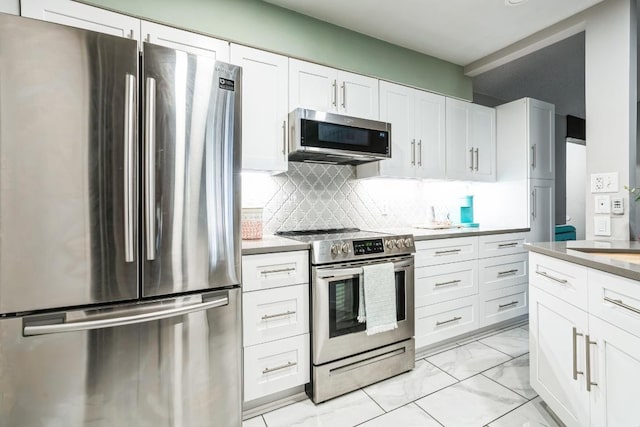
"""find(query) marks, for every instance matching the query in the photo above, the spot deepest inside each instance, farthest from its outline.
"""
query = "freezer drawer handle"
(455, 319)
(619, 303)
(124, 320)
(273, 316)
(278, 368)
(548, 276)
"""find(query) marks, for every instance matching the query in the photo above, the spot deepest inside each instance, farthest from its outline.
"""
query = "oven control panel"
(365, 248)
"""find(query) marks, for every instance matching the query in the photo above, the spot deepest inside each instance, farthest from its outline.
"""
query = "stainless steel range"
(344, 357)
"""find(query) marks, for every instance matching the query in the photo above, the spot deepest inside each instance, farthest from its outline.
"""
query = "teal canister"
(466, 211)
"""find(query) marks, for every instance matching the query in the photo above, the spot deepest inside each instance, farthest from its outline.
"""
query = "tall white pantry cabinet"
(526, 166)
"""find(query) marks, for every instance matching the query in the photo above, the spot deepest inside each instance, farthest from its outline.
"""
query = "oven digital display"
(365, 247)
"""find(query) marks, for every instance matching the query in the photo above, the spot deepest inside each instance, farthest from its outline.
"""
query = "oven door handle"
(345, 272)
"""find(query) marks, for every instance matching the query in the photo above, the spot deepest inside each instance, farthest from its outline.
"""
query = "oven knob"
(335, 249)
(408, 243)
(389, 244)
(345, 248)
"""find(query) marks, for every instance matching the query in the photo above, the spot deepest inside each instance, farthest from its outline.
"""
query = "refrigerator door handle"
(150, 167)
(123, 320)
(129, 136)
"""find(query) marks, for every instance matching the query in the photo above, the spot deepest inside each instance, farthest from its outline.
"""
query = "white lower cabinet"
(503, 304)
(582, 365)
(275, 322)
(438, 322)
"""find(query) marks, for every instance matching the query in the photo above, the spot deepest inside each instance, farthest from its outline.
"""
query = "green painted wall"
(262, 25)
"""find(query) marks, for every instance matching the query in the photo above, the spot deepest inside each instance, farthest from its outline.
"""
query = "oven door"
(335, 292)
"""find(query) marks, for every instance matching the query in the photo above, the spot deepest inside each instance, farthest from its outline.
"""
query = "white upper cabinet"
(541, 135)
(470, 141)
(326, 89)
(174, 38)
(264, 108)
(417, 134)
(82, 16)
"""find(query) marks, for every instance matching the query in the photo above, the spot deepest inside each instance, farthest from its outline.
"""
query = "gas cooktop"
(344, 244)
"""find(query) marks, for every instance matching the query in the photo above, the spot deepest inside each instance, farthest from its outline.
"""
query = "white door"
(459, 151)
(358, 96)
(556, 343)
(312, 86)
(397, 108)
(174, 38)
(615, 367)
(542, 210)
(83, 16)
(264, 108)
(430, 133)
(482, 136)
(541, 140)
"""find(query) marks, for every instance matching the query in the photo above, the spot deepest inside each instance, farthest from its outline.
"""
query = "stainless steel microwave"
(319, 137)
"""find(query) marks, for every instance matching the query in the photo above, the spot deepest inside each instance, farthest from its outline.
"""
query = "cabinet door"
(312, 86)
(556, 340)
(430, 135)
(358, 95)
(82, 16)
(482, 137)
(615, 367)
(459, 151)
(397, 108)
(542, 210)
(264, 108)
(196, 44)
(541, 139)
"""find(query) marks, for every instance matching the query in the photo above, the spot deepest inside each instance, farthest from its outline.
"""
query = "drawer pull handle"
(507, 273)
(507, 245)
(273, 316)
(587, 344)
(507, 305)
(548, 276)
(619, 303)
(575, 336)
(455, 319)
(448, 252)
(451, 282)
(278, 368)
(280, 270)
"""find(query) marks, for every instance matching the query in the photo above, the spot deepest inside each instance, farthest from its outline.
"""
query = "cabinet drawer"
(273, 314)
(438, 322)
(445, 282)
(615, 299)
(442, 251)
(266, 271)
(562, 279)
(276, 366)
(501, 244)
(502, 271)
(503, 304)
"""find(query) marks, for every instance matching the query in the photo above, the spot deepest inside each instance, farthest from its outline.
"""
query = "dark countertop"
(270, 243)
(582, 252)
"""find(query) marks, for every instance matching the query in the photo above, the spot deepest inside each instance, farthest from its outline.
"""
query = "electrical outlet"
(603, 204)
(604, 182)
(602, 225)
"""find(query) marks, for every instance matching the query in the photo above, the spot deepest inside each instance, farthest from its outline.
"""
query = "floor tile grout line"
(508, 388)
(427, 412)
(508, 412)
(384, 411)
(506, 354)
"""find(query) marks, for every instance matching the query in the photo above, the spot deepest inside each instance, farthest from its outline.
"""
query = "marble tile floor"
(481, 381)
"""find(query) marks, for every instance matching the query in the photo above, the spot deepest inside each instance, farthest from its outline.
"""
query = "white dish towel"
(379, 297)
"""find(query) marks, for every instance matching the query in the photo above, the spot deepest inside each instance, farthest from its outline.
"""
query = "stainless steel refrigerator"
(119, 242)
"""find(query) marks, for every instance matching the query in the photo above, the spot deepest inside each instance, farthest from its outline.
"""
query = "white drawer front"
(276, 313)
(562, 279)
(276, 366)
(501, 244)
(500, 272)
(438, 322)
(266, 271)
(442, 251)
(445, 282)
(615, 299)
(503, 304)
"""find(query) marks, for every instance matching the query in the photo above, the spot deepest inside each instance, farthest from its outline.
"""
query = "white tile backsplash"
(319, 196)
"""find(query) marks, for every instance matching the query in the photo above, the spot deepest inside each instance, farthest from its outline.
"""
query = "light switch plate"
(602, 225)
(617, 205)
(603, 204)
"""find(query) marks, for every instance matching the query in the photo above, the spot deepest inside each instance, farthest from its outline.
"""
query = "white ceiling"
(458, 31)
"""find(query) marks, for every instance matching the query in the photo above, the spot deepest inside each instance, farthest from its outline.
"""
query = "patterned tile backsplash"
(321, 196)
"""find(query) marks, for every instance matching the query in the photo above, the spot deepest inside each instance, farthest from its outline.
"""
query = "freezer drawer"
(170, 363)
